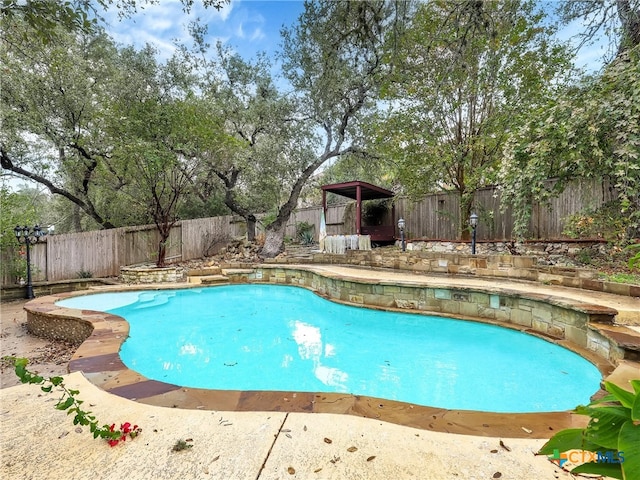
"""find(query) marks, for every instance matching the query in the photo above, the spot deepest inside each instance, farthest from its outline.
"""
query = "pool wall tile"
(494, 301)
(521, 317)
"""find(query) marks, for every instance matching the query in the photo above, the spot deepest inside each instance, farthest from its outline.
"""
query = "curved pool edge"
(98, 359)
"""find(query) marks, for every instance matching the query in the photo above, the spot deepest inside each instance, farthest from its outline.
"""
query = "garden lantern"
(473, 221)
(401, 225)
(29, 236)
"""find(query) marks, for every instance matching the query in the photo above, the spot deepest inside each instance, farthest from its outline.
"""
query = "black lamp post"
(401, 225)
(29, 236)
(473, 221)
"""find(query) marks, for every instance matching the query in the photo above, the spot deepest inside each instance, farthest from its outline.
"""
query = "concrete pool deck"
(233, 438)
(39, 442)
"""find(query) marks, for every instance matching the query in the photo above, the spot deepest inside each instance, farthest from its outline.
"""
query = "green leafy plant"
(634, 261)
(69, 402)
(602, 222)
(304, 233)
(181, 445)
(631, 278)
(84, 274)
(612, 436)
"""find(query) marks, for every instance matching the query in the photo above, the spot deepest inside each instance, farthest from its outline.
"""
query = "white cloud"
(258, 34)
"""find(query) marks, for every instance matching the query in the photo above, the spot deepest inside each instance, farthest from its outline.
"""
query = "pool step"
(626, 337)
(624, 372)
(208, 279)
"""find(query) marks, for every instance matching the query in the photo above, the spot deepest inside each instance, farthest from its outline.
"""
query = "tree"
(151, 122)
(617, 19)
(333, 60)
(22, 207)
(589, 131)
(48, 18)
(253, 163)
(51, 104)
(465, 72)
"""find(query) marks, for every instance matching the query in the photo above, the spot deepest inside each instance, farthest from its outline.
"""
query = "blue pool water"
(266, 337)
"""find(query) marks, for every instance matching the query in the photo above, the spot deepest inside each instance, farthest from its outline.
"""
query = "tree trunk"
(466, 203)
(274, 241)
(630, 20)
(162, 253)
(251, 227)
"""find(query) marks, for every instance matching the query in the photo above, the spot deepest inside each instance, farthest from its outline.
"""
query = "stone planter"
(146, 273)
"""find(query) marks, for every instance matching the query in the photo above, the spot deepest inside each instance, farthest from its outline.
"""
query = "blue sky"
(248, 26)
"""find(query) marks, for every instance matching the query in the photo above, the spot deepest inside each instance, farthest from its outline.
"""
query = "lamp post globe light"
(29, 236)
(473, 221)
(401, 225)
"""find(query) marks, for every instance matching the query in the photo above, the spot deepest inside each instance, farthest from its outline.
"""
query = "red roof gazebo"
(360, 191)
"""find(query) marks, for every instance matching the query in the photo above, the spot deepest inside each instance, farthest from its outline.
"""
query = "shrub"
(304, 233)
(612, 436)
(604, 222)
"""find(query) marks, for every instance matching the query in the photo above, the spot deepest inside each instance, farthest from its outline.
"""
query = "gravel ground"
(46, 357)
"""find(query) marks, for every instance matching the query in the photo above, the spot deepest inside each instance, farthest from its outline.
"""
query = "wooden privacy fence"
(102, 252)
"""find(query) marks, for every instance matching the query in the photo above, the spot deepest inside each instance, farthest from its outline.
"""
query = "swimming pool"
(265, 337)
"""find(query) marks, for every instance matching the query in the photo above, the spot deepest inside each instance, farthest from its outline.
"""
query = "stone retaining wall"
(141, 274)
(547, 253)
(57, 327)
(16, 292)
(520, 267)
(548, 317)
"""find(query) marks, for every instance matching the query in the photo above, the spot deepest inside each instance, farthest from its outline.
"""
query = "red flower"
(113, 443)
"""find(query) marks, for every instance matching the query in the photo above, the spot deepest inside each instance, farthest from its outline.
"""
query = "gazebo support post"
(358, 209)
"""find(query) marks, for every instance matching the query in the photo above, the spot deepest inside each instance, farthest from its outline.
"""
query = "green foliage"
(304, 232)
(16, 208)
(68, 401)
(631, 278)
(84, 274)
(588, 131)
(614, 427)
(634, 261)
(606, 222)
(46, 17)
(584, 256)
(466, 72)
(181, 445)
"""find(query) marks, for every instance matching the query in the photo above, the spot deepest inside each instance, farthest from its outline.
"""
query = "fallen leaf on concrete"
(371, 458)
(508, 449)
(291, 470)
(352, 449)
(497, 475)
(317, 470)
(327, 440)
